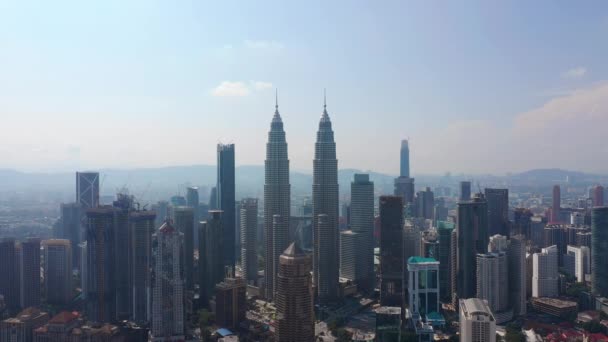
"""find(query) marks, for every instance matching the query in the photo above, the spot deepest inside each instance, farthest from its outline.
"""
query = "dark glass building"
(498, 211)
(226, 201)
(211, 260)
(599, 251)
(183, 220)
(392, 263)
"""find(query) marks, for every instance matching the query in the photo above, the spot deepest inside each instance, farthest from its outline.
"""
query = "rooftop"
(420, 260)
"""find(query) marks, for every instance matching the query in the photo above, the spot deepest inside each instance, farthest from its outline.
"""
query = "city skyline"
(168, 76)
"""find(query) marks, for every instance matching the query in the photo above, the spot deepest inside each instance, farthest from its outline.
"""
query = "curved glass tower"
(276, 201)
(325, 212)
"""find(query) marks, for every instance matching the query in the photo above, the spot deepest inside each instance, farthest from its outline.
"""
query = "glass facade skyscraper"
(226, 201)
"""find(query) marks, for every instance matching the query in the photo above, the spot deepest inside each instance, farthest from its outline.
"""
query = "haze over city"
(477, 87)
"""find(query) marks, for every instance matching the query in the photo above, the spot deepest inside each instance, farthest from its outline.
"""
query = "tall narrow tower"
(325, 211)
(276, 200)
(405, 159)
(226, 201)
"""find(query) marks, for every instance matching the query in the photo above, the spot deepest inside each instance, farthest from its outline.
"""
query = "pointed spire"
(277, 116)
(325, 116)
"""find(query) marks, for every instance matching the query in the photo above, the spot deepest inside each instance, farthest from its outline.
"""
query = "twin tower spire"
(277, 116)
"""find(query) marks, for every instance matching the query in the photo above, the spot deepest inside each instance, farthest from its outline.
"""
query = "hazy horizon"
(478, 88)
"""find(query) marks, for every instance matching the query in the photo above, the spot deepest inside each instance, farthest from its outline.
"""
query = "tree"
(344, 335)
(514, 333)
(594, 327)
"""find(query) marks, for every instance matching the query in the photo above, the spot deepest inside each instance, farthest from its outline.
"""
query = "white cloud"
(574, 73)
(263, 44)
(240, 88)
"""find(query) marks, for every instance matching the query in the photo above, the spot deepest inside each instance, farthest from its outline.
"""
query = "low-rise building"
(555, 307)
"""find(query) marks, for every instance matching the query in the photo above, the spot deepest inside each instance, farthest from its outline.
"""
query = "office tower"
(231, 302)
(192, 200)
(83, 269)
(522, 222)
(362, 223)
(477, 323)
(348, 254)
(388, 324)
(411, 243)
(123, 206)
(57, 271)
(213, 199)
(425, 204)
(423, 292)
(440, 211)
(277, 192)
(493, 283)
(599, 251)
(162, 213)
(87, 189)
(226, 201)
(472, 239)
(498, 211)
(517, 274)
(101, 256)
(295, 317)
(465, 191)
(211, 260)
(404, 185)
(598, 196)
(545, 276)
(183, 220)
(391, 251)
(20, 328)
(444, 255)
(177, 201)
(192, 197)
(582, 261)
(249, 227)
(556, 205)
(71, 224)
(9, 271)
(30, 273)
(141, 228)
(325, 212)
(168, 285)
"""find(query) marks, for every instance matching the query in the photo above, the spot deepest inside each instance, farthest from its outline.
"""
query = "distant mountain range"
(157, 183)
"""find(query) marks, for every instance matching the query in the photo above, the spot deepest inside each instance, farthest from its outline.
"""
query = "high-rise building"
(57, 271)
(465, 191)
(211, 260)
(295, 317)
(423, 293)
(404, 170)
(425, 204)
(141, 228)
(444, 255)
(193, 201)
(493, 283)
(9, 271)
(391, 251)
(87, 189)
(599, 251)
(83, 269)
(362, 223)
(598, 196)
(277, 192)
(325, 212)
(100, 266)
(522, 222)
(168, 285)
(249, 227)
(556, 205)
(472, 239)
(226, 201)
(348, 254)
(545, 276)
(192, 197)
(213, 199)
(411, 241)
(123, 206)
(162, 212)
(477, 323)
(183, 220)
(231, 302)
(582, 261)
(498, 211)
(517, 274)
(29, 276)
(71, 228)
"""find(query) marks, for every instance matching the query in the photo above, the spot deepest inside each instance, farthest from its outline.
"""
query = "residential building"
(477, 323)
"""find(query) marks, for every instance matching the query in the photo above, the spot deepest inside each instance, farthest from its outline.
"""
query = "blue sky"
(477, 86)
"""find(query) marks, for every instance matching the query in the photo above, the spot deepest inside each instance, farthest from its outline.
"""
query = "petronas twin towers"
(325, 207)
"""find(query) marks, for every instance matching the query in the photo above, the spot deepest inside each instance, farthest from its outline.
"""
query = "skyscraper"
(423, 294)
(493, 283)
(211, 260)
(498, 211)
(348, 254)
(325, 212)
(87, 189)
(472, 239)
(599, 251)
(392, 261)
(101, 282)
(517, 274)
(295, 318)
(30, 273)
(71, 224)
(545, 276)
(141, 227)
(168, 285)
(598, 196)
(226, 201)
(362, 223)
(123, 206)
(444, 230)
(465, 191)
(10, 275)
(477, 323)
(276, 200)
(183, 218)
(57, 271)
(162, 212)
(231, 302)
(556, 205)
(425, 204)
(249, 227)
(404, 170)
(522, 222)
